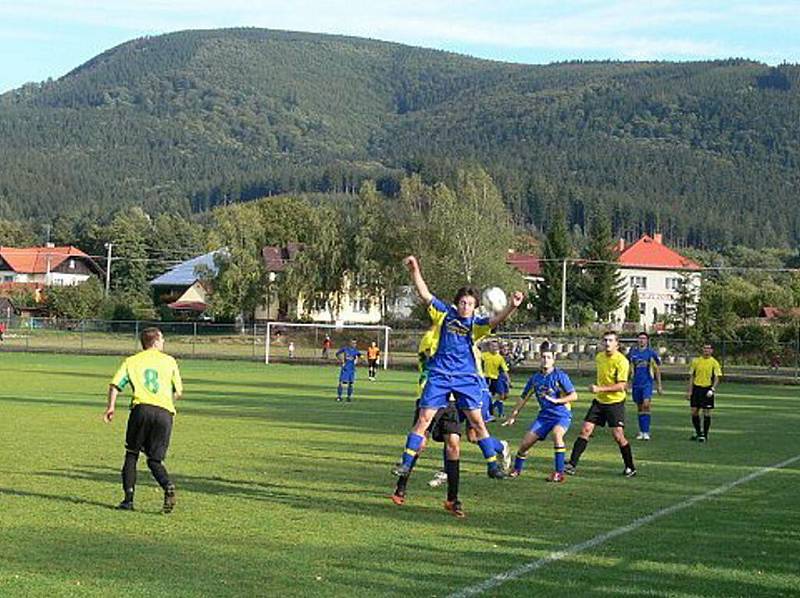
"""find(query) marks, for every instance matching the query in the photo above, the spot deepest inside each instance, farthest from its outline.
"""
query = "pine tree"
(601, 285)
(556, 249)
(632, 313)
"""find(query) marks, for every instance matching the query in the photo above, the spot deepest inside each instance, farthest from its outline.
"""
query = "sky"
(40, 39)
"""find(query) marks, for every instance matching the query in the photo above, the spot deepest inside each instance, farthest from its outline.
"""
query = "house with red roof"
(656, 271)
(528, 265)
(46, 266)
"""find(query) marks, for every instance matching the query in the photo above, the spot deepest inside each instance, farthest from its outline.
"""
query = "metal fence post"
(194, 339)
(136, 335)
(82, 325)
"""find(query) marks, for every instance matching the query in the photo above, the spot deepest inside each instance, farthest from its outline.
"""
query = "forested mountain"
(708, 153)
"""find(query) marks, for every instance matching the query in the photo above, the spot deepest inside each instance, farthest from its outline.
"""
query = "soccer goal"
(288, 341)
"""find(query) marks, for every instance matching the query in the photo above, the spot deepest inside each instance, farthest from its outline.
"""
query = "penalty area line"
(512, 574)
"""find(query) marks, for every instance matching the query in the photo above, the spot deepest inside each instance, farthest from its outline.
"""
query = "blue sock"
(339, 392)
(488, 447)
(350, 391)
(413, 442)
(519, 463)
(498, 446)
(644, 422)
(500, 408)
(560, 453)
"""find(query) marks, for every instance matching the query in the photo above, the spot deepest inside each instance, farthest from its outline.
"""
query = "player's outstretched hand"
(411, 263)
(517, 298)
(108, 416)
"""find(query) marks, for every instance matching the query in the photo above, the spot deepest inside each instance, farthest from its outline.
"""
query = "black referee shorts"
(700, 399)
(149, 430)
(601, 414)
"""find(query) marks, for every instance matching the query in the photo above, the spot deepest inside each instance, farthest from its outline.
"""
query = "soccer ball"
(494, 300)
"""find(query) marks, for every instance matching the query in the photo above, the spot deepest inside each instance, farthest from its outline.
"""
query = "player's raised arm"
(527, 393)
(499, 318)
(412, 264)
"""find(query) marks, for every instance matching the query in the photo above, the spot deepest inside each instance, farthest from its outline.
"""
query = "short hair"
(607, 332)
(468, 291)
(644, 334)
(545, 347)
(149, 336)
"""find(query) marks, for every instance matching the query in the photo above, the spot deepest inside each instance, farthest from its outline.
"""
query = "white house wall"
(656, 294)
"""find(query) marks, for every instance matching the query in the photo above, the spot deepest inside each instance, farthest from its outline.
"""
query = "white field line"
(559, 555)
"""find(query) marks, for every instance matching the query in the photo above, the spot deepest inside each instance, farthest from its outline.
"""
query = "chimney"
(620, 247)
(50, 245)
(657, 238)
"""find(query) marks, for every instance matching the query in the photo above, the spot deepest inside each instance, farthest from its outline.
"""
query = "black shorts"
(601, 414)
(444, 422)
(700, 398)
(372, 362)
(149, 431)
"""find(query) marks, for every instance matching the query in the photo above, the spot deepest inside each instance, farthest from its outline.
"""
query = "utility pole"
(108, 268)
(563, 294)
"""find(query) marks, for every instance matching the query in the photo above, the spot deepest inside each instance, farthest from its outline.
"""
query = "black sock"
(159, 473)
(627, 455)
(696, 424)
(402, 481)
(706, 424)
(129, 475)
(577, 450)
(452, 469)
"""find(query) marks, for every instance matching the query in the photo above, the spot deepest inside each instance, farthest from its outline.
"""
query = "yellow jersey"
(611, 370)
(704, 371)
(492, 364)
(154, 378)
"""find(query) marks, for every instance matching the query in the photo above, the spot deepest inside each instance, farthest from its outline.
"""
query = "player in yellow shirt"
(155, 382)
(705, 374)
(495, 369)
(608, 406)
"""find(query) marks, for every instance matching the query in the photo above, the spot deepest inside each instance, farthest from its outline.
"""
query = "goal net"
(287, 341)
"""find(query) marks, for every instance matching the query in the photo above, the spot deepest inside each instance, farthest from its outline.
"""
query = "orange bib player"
(373, 357)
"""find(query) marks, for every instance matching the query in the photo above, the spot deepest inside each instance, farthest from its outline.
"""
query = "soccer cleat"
(640, 436)
(629, 472)
(514, 473)
(169, 499)
(496, 473)
(646, 436)
(125, 505)
(701, 438)
(399, 498)
(570, 469)
(438, 479)
(455, 507)
(556, 476)
(401, 470)
(506, 455)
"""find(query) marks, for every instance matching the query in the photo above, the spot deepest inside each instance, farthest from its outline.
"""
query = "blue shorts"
(347, 377)
(642, 393)
(543, 425)
(498, 386)
(466, 388)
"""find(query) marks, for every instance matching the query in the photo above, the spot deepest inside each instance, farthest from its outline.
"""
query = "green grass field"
(282, 491)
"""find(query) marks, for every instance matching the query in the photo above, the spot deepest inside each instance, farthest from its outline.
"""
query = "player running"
(554, 391)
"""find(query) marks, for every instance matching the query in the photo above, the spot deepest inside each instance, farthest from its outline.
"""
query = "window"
(72, 264)
(639, 282)
(8, 278)
(673, 284)
(642, 308)
(361, 305)
(670, 309)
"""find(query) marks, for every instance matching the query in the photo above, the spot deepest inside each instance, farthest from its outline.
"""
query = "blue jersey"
(350, 356)
(550, 386)
(640, 360)
(455, 338)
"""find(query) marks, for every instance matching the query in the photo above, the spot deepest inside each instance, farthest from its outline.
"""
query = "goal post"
(304, 341)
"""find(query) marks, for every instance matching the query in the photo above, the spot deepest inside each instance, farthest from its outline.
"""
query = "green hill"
(708, 153)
